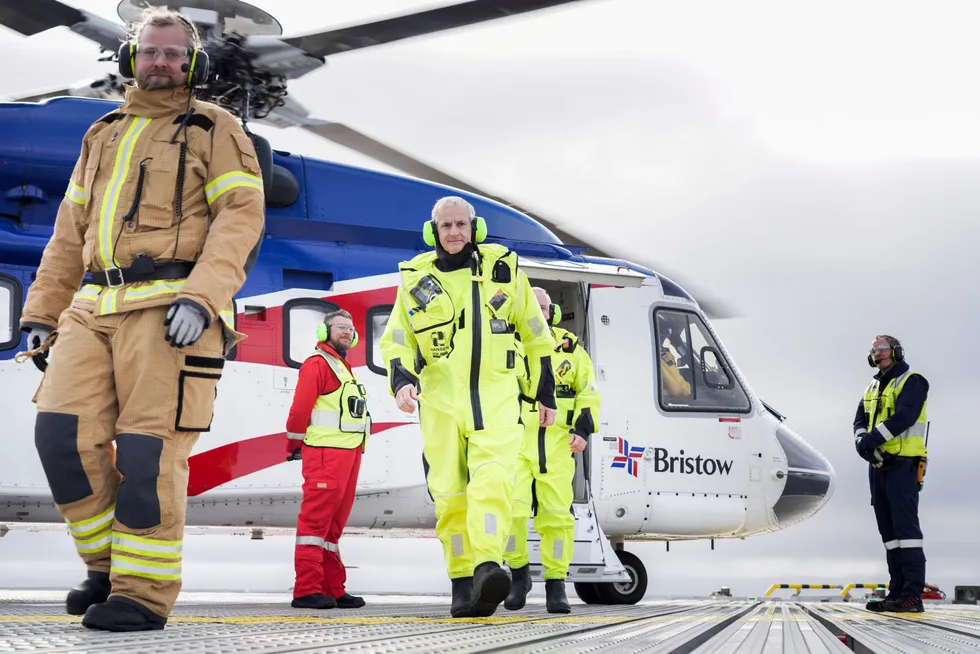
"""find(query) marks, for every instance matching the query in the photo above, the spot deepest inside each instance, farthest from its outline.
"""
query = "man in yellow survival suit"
(546, 468)
(452, 333)
(165, 209)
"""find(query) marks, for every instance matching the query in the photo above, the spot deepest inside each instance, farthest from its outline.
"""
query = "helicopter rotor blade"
(39, 96)
(407, 26)
(30, 17)
(715, 308)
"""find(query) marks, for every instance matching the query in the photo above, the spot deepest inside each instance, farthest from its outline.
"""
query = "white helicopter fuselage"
(714, 464)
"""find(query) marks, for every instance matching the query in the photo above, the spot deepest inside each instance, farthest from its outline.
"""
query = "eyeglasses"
(169, 52)
(880, 348)
(343, 328)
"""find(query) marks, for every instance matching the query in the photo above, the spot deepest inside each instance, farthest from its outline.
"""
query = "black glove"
(297, 455)
(186, 324)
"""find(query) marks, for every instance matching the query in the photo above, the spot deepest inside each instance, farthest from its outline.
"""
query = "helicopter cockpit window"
(300, 317)
(376, 321)
(692, 373)
(9, 312)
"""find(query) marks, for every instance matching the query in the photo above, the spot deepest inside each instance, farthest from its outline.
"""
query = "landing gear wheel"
(588, 592)
(629, 592)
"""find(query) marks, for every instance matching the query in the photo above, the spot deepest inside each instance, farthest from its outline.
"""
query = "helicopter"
(713, 461)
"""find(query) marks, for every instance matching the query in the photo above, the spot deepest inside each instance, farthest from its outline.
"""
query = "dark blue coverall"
(895, 489)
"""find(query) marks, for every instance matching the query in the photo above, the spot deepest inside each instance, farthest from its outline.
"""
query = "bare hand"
(577, 443)
(546, 416)
(406, 397)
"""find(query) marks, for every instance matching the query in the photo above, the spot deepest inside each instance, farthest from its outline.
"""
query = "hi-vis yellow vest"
(879, 405)
(332, 423)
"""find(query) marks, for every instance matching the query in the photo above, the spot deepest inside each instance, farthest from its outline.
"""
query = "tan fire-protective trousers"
(114, 379)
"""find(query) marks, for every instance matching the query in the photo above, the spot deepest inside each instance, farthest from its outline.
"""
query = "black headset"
(898, 352)
(197, 70)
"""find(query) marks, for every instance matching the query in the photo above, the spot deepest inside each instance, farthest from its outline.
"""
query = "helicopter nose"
(809, 479)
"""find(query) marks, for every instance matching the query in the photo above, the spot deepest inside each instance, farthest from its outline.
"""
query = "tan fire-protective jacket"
(99, 225)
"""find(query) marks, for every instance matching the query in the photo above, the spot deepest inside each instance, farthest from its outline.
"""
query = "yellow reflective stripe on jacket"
(88, 292)
(128, 550)
(93, 534)
(228, 317)
(108, 304)
(110, 202)
(152, 290)
(75, 193)
(235, 179)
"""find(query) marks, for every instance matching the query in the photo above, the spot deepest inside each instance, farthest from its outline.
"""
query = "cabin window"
(692, 373)
(300, 318)
(375, 323)
(10, 335)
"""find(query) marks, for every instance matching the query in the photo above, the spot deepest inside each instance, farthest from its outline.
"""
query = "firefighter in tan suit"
(165, 209)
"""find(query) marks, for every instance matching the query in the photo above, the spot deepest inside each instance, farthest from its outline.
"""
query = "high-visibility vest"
(879, 405)
(333, 422)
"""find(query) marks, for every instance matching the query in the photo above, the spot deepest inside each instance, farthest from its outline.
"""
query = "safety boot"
(555, 600)
(462, 597)
(903, 605)
(877, 605)
(122, 614)
(348, 601)
(314, 601)
(93, 590)
(491, 584)
(520, 586)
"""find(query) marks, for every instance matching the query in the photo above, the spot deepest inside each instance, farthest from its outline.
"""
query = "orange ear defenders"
(197, 69)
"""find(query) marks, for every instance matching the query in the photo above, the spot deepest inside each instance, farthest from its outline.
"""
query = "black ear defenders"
(898, 354)
(197, 69)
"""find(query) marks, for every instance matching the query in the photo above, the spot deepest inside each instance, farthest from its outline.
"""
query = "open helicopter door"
(568, 284)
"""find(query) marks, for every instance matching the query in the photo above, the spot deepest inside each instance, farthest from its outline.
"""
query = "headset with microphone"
(897, 352)
(197, 69)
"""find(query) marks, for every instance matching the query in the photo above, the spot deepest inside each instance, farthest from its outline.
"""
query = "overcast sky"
(815, 165)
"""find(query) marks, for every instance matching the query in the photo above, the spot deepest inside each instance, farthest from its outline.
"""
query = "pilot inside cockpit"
(671, 329)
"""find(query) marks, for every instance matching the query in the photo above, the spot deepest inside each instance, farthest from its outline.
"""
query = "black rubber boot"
(520, 586)
(93, 590)
(348, 601)
(314, 601)
(122, 614)
(491, 584)
(462, 597)
(556, 601)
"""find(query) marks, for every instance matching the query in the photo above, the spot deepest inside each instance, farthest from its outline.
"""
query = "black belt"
(142, 273)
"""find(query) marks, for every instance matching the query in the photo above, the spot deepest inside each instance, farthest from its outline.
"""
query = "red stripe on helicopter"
(233, 461)
(264, 329)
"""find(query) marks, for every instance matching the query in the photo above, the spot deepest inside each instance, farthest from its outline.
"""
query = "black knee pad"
(56, 440)
(138, 459)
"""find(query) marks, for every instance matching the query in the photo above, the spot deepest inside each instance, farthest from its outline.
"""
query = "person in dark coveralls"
(889, 431)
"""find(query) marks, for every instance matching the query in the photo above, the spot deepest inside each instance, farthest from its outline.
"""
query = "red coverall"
(329, 484)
